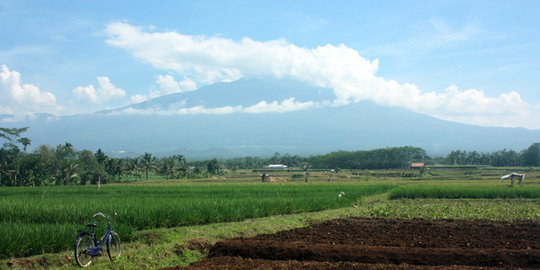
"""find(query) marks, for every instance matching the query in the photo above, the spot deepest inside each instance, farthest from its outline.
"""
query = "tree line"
(384, 158)
(64, 165)
(527, 157)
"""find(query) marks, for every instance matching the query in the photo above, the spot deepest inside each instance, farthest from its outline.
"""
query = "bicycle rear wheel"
(82, 243)
(114, 249)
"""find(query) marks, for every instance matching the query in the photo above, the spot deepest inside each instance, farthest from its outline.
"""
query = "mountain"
(358, 126)
(244, 92)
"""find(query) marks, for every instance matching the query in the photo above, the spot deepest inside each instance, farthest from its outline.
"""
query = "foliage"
(212, 167)
(505, 157)
(148, 162)
(173, 167)
(64, 165)
(531, 156)
(384, 158)
(12, 133)
(255, 162)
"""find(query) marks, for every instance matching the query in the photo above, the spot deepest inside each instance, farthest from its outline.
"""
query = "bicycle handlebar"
(103, 215)
(100, 214)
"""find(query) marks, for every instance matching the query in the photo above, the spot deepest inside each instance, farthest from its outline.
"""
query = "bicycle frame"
(88, 246)
(106, 236)
(105, 240)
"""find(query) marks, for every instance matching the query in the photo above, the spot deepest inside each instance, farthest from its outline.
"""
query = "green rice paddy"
(46, 219)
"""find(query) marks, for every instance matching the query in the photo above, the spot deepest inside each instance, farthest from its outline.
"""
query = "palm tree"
(115, 168)
(68, 173)
(133, 167)
(168, 167)
(148, 163)
(11, 133)
(25, 142)
(180, 163)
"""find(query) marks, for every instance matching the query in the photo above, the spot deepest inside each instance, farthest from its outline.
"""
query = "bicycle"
(87, 246)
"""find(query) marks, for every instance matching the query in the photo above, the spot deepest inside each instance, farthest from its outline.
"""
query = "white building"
(276, 167)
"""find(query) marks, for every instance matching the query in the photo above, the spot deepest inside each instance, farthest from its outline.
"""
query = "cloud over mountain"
(104, 92)
(352, 77)
(167, 85)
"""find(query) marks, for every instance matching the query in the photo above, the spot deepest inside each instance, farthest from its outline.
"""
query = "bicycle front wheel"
(82, 244)
(114, 250)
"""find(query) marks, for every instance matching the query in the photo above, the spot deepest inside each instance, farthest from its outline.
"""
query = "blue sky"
(474, 62)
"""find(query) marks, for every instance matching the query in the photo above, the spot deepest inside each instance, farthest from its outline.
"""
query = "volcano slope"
(364, 243)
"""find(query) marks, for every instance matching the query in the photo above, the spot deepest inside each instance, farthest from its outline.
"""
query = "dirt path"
(361, 243)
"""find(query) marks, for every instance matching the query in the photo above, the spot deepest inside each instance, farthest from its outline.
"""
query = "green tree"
(167, 167)
(101, 158)
(115, 168)
(10, 155)
(25, 142)
(457, 157)
(531, 156)
(212, 167)
(45, 167)
(133, 167)
(148, 162)
(91, 171)
(65, 151)
(68, 173)
(10, 134)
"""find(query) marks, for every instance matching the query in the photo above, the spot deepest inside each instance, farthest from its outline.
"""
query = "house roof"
(417, 165)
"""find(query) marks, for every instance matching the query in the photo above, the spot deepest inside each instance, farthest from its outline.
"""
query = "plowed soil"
(361, 243)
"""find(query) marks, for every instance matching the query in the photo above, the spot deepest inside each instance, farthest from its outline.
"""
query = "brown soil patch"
(276, 179)
(361, 243)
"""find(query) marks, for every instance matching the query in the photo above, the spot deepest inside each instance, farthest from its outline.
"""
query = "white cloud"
(179, 111)
(138, 98)
(22, 100)
(286, 105)
(351, 76)
(106, 91)
(167, 85)
(203, 110)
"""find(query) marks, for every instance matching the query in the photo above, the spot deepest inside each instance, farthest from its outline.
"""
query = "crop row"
(465, 192)
(494, 209)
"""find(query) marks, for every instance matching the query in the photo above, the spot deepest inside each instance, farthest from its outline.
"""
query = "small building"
(276, 167)
(418, 165)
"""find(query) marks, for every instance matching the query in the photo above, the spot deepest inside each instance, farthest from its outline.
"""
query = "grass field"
(158, 218)
(45, 219)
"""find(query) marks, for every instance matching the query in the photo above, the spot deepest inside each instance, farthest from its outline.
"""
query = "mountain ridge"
(251, 91)
(358, 126)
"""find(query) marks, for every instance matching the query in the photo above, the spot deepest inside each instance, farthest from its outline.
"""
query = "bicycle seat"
(93, 224)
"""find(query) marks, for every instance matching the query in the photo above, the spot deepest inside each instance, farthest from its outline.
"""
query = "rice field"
(465, 192)
(37, 220)
(45, 219)
(492, 209)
